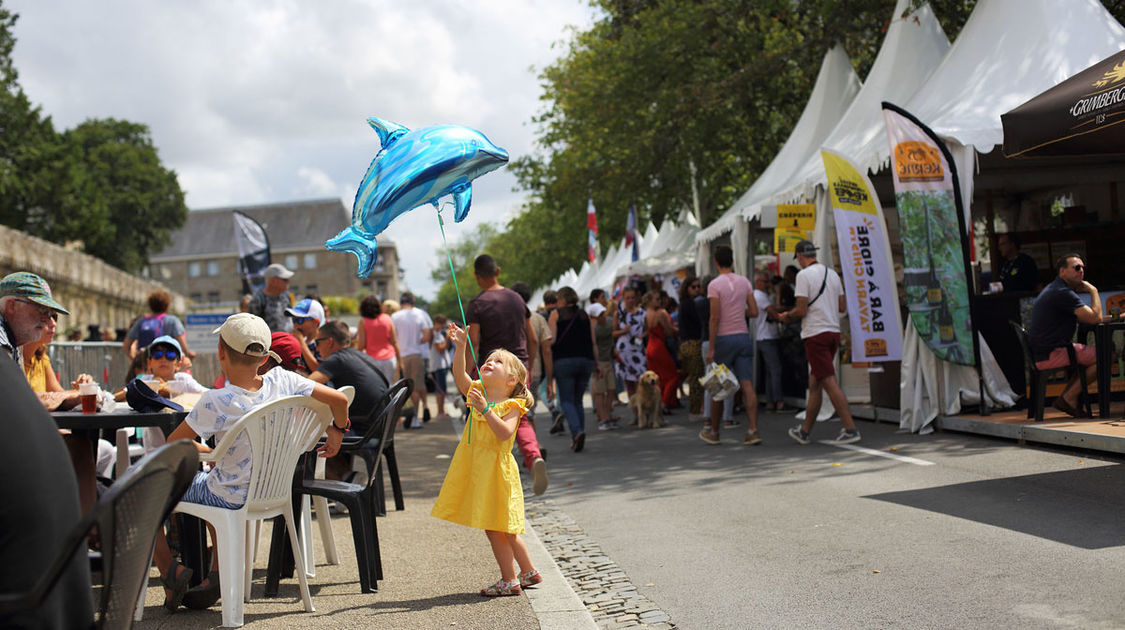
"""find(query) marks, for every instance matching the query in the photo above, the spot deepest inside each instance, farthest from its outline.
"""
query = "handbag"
(719, 381)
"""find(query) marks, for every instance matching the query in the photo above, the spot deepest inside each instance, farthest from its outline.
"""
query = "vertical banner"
(795, 223)
(935, 254)
(865, 259)
(592, 226)
(253, 251)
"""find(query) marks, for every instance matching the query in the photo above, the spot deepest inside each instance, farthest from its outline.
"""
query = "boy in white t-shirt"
(820, 300)
(244, 342)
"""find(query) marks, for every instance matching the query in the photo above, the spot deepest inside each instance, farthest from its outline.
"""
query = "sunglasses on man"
(161, 353)
(301, 320)
(44, 311)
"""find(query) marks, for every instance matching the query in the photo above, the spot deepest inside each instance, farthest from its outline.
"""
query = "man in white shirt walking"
(820, 300)
(415, 331)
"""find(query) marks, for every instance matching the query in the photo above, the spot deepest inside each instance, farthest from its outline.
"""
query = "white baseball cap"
(595, 309)
(243, 330)
(307, 307)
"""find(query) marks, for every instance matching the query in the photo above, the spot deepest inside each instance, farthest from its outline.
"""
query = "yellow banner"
(845, 185)
(795, 223)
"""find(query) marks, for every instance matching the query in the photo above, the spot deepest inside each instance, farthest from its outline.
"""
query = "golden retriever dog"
(646, 402)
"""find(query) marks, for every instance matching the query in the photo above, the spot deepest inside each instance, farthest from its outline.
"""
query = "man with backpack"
(158, 323)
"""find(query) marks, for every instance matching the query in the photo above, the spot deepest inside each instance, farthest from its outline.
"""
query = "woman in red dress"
(659, 326)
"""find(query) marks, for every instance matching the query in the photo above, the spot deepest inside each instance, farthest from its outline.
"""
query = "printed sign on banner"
(795, 223)
(934, 254)
(865, 259)
(199, 327)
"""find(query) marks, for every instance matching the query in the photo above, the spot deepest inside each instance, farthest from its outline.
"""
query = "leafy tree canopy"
(662, 102)
(101, 184)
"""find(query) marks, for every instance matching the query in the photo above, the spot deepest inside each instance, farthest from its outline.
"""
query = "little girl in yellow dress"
(482, 487)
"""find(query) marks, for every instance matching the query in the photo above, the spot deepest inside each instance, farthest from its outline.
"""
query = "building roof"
(289, 225)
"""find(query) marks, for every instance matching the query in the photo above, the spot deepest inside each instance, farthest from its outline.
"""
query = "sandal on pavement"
(176, 584)
(203, 597)
(502, 589)
(530, 578)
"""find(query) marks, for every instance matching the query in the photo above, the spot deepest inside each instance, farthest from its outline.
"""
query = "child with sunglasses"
(163, 359)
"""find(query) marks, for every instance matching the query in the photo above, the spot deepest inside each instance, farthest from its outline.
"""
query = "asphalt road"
(989, 535)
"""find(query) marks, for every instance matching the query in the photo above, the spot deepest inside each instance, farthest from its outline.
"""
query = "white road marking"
(871, 451)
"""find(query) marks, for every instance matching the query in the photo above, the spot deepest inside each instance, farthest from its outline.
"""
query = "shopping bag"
(719, 381)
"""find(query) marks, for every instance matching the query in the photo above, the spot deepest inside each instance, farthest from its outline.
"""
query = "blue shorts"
(437, 377)
(198, 492)
(737, 353)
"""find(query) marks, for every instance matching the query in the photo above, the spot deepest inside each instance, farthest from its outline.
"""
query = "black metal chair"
(367, 447)
(1037, 379)
(127, 518)
(360, 499)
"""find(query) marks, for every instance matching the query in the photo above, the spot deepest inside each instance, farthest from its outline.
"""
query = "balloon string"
(464, 320)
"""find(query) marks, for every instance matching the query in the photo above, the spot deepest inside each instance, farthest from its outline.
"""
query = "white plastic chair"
(279, 432)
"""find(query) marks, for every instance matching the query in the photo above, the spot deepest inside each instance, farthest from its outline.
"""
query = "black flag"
(253, 251)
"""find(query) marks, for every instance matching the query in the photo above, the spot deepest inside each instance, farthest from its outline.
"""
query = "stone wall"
(93, 291)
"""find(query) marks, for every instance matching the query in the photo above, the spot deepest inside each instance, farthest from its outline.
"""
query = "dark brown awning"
(1083, 115)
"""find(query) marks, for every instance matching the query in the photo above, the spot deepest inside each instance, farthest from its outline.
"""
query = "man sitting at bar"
(1017, 270)
(1055, 315)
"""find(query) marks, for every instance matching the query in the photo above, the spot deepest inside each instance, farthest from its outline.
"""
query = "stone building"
(202, 261)
(94, 292)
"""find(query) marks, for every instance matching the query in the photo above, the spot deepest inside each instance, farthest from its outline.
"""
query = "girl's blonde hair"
(517, 369)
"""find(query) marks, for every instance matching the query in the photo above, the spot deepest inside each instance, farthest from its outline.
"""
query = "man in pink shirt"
(732, 300)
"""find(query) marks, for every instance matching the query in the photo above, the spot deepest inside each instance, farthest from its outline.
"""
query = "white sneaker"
(416, 424)
(539, 476)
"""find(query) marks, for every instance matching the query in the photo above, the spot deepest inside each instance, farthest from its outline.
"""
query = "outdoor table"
(1103, 346)
(191, 530)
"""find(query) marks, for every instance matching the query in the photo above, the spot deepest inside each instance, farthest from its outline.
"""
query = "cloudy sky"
(265, 101)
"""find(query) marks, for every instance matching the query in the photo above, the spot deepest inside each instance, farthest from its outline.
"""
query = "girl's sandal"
(530, 578)
(502, 589)
(176, 584)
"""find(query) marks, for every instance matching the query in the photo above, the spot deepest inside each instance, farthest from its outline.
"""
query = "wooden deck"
(1057, 428)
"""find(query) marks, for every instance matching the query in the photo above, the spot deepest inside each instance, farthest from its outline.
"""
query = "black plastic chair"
(1037, 379)
(127, 518)
(368, 448)
(360, 500)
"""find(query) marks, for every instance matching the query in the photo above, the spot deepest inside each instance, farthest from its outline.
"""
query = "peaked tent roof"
(1007, 52)
(913, 47)
(835, 87)
(673, 249)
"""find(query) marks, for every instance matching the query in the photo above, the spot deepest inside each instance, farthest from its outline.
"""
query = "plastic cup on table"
(88, 394)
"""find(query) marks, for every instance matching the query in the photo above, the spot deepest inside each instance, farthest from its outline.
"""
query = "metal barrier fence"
(105, 361)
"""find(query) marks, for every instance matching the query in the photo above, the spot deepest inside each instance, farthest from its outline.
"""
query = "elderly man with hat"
(270, 301)
(26, 306)
(820, 300)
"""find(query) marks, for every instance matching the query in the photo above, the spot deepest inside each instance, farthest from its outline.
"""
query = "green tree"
(101, 183)
(137, 202)
(661, 102)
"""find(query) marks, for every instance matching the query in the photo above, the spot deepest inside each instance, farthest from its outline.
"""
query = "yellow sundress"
(482, 486)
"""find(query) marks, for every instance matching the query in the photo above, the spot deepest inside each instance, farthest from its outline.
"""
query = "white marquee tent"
(833, 91)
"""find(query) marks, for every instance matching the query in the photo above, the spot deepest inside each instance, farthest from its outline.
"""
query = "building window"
(310, 261)
(311, 289)
(213, 297)
(165, 272)
(291, 262)
(212, 268)
(381, 291)
(196, 297)
(194, 269)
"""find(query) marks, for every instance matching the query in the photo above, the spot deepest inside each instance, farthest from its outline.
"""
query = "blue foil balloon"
(414, 168)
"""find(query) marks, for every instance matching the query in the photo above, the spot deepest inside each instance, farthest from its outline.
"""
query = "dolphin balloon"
(412, 169)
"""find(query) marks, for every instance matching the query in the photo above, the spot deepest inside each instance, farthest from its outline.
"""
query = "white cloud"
(266, 101)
